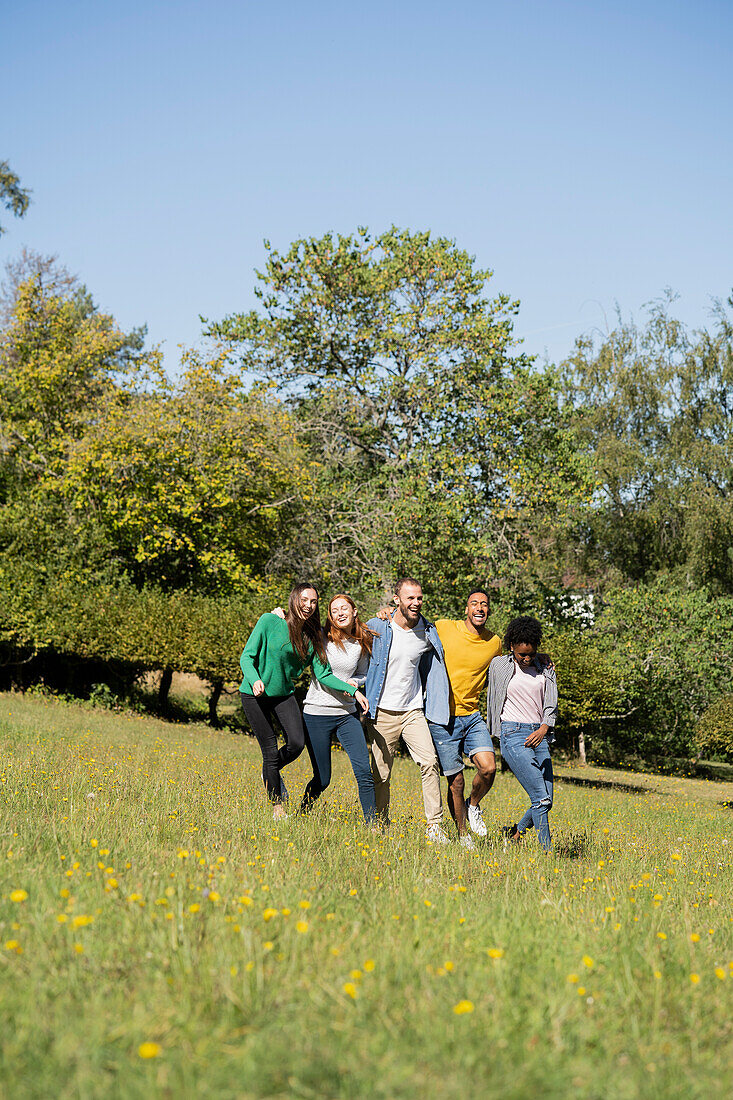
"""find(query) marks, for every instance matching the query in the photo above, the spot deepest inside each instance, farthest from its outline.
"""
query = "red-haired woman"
(276, 653)
(327, 712)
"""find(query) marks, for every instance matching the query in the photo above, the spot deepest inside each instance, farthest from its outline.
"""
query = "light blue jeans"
(533, 769)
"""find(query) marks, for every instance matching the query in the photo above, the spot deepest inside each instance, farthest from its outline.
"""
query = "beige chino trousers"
(386, 730)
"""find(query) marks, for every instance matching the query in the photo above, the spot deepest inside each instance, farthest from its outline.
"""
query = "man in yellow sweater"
(469, 649)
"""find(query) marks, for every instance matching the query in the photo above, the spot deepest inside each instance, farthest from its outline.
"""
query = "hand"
(362, 701)
(258, 688)
(386, 613)
(278, 611)
(546, 661)
(535, 738)
(353, 683)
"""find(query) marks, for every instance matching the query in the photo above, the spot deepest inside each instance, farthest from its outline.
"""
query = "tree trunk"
(216, 689)
(166, 679)
(581, 748)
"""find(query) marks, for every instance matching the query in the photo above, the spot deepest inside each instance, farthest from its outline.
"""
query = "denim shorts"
(465, 734)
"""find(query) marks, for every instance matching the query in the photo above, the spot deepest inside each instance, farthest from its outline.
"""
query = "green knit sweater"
(269, 656)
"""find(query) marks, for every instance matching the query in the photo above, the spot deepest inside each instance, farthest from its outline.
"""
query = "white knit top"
(348, 664)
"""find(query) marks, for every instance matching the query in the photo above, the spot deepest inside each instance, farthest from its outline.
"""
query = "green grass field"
(160, 937)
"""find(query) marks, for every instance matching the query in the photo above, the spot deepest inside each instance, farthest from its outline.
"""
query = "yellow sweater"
(467, 660)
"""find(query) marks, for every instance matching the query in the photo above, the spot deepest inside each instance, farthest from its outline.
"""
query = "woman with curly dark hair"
(522, 698)
(276, 653)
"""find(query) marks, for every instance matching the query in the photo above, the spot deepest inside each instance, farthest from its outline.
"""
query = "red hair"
(362, 634)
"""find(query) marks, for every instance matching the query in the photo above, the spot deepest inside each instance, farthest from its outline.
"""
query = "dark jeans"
(348, 729)
(259, 711)
(533, 769)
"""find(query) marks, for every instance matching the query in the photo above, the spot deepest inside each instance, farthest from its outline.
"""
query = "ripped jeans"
(533, 769)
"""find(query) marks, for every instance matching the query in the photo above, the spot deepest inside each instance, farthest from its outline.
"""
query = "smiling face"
(477, 610)
(342, 614)
(307, 603)
(524, 654)
(409, 602)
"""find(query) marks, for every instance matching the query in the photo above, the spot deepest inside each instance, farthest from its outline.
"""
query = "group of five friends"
(412, 679)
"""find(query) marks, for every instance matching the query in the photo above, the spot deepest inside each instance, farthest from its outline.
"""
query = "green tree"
(655, 414)
(438, 448)
(190, 481)
(13, 197)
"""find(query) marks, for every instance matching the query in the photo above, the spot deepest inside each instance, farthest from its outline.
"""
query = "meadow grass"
(160, 935)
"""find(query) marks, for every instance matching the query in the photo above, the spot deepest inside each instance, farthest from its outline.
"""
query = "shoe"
(284, 796)
(435, 834)
(466, 841)
(511, 833)
(476, 821)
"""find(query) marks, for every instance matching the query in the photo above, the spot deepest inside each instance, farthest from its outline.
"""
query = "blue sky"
(584, 152)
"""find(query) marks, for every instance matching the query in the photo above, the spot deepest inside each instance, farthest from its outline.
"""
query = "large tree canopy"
(436, 442)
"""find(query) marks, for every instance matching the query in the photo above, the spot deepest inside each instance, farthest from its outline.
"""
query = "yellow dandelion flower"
(355, 975)
(720, 973)
(350, 990)
(93, 842)
(304, 904)
(268, 945)
(661, 935)
(301, 926)
(463, 1007)
(581, 991)
(268, 914)
(150, 1050)
(79, 948)
(13, 945)
(369, 965)
(245, 900)
(495, 953)
(18, 895)
(694, 938)
(352, 893)
(285, 912)
(330, 916)
(657, 973)
(194, 908)
(694, 978)
(588, 961)
(573, 978)
(213, 896)
(62, 918)
(82, 920)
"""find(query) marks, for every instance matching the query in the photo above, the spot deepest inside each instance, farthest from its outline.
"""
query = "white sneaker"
(466, 841)
(476, 821)
(435, 834)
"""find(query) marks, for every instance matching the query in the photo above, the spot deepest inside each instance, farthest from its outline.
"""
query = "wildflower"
(304, 904)
(581, 991)
(661, 935)
(82, 920)
(18, 895)
(244, 900)
(720, 973)
(285, 912)
(369, 965)
(352, 893)
(213, 896)
(694, 938)
(657, 973)
(694, 978)
(463, 1007)
(573, 978)
(495, 953)
(79, 948)
(355, 975)
(268, 914)
(588, 961)
(268, 945)
(62, 918)
(350, 990)
(13, 945)
(301, 926)
(150, 1050)
(194, 908)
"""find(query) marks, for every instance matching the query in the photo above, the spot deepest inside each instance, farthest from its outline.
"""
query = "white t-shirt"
(525, 696)
(402, 687)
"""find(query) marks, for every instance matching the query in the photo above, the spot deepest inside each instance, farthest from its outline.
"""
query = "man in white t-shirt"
(406, 680)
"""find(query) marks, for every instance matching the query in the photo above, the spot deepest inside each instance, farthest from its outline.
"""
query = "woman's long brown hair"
(362, 634)
(304, 631)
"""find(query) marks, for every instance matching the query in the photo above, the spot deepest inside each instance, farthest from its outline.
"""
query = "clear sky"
(583, 151)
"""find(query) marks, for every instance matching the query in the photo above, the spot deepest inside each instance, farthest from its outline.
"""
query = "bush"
(714, 733)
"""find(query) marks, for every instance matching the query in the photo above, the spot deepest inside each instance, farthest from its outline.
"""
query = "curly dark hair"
(523, 631)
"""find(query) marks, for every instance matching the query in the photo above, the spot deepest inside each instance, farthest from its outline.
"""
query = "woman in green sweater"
(276, 653)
